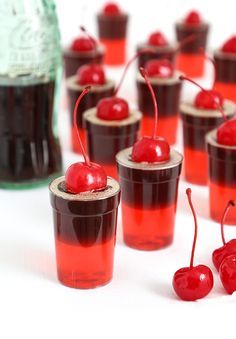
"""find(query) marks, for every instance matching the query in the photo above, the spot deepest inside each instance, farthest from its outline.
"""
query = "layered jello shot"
(221, 146)
(208, 110)
(83, 50)
(190, 59)
(157, 46)
(85, 203)
(167, 88)
(112, 24)
(110, 127)
(225, 63)
(94, 75)
(149, 175)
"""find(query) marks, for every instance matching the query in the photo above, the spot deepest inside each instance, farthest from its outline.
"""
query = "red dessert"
(193, 282)
(225, 61)
(167, 88)
(112, 29)
(221, 145)
(102, 87)
(110, 127)
(85, 204)
(190, 60)
(158, 47)
(206, 113)
(148, 175)
(83, 50)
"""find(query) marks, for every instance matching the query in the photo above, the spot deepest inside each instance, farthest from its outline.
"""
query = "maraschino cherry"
(227, 273)
(111, 8)
(207, 98)
(84, 43)
(193, 18)
(157, 39)
(226, 133)
(193, 282)
(229, 247)
(151, 149)
(115, 108)
(91, 74)
(159, 68)
(84, 176)
(230, 45)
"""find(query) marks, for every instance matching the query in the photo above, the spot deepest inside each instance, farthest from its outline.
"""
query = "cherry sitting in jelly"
(229, 247)
(111, 8)
(157, 39)
(193, 282)
(84, 176)
(230, 45)
(151, 149)
(159, 68)
(226, 133)
(193, 18)
(92, 74)
(84, 43)
(227, 273)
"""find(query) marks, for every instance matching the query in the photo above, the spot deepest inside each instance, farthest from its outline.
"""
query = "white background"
(139, 303)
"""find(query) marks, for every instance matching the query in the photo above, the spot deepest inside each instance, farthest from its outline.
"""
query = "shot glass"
(225, 65)
(85, 234)
(92, 98)
(167, 92)
(106, 138)
(190, 59)
(149, 197)
(112, 32)
(222, 178)
(196, 124)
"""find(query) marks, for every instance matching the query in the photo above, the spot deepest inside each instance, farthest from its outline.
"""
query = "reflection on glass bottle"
(30, 73)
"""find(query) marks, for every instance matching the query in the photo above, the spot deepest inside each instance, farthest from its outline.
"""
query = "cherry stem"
(145, 76)
(204, 90)
(84, 92)
(141, 51)
(230, 204)
(92, 40)
(189, 192)
(208, 58)
(187, 40)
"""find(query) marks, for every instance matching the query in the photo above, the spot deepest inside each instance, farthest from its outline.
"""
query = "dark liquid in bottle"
(29, 150)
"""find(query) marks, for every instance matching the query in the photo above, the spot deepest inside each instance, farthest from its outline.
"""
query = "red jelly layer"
(196, 166)
(167, 127)
(115, 51)
(148, 229)
(190, 64)
(220, 194)
(228, 90)
(85, 266)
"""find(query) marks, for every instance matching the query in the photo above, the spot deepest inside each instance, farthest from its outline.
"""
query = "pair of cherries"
(195, 282)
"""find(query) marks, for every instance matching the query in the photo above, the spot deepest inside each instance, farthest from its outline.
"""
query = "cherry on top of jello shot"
(84, 176)
(91, 74)
(84, 43)
(111, 8)
(229, 45)
(193, 18)
(152, 149)
(159, 68)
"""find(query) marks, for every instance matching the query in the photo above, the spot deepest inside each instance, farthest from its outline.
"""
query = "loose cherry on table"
(230, 45)
(157, 39)
(84, 176)
(115, 108)
(229, 247)
(193, 18)
(91, 74)
(159, 68)
(151, 149)
(227, 273)
(193, 282)
(111, 8)
(84, 43)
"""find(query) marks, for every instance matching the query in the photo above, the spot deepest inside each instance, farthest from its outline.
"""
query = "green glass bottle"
(30, 75)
